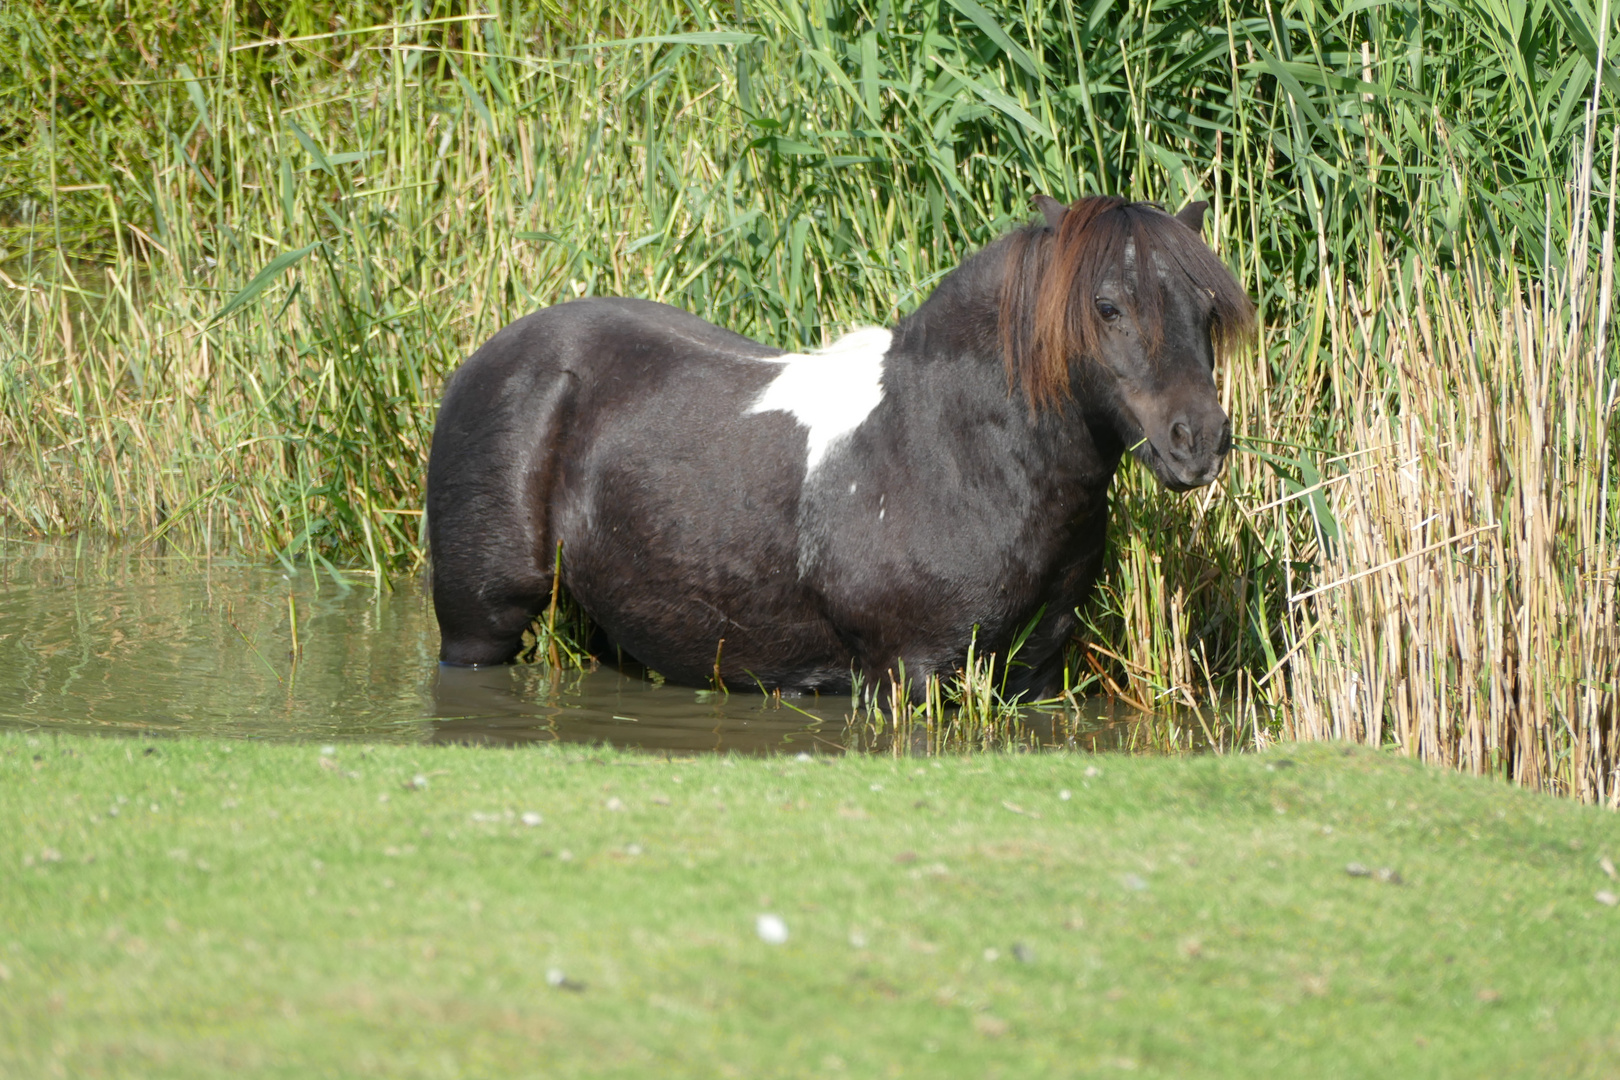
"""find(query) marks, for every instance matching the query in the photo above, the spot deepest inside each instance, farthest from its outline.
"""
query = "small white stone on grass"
(615, 803)
(531, 818)
(556, 978)
(857, 940)
(801, 757)
(771, 929)
(1092, 772)
(1065, 794)
(328, 751)
(1607, 898)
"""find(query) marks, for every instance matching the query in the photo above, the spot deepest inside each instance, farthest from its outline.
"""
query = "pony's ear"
(1053, 209)
(1193, 216)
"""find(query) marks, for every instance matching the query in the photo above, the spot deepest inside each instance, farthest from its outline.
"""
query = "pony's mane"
(1048, 317)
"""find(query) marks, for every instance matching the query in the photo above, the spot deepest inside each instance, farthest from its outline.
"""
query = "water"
(139, 645)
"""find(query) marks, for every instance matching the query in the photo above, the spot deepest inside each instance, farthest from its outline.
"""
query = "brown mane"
(1048, 317)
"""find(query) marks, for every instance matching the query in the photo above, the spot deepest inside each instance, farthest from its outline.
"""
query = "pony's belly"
(763, 638)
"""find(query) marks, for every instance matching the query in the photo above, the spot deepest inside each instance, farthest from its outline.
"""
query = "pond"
(133, 644)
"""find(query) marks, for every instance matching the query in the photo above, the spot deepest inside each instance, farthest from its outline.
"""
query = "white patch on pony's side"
(829, 391)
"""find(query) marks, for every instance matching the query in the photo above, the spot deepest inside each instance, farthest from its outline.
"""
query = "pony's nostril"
(1181, 437)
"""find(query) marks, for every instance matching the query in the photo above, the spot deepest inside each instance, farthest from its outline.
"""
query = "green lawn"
(189, 908)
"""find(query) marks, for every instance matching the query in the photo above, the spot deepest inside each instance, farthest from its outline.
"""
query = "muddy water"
(132, 644)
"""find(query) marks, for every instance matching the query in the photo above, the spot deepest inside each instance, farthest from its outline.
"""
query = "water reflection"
(517, 704)
(123, 643)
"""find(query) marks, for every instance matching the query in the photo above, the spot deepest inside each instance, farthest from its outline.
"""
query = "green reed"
(242, 246)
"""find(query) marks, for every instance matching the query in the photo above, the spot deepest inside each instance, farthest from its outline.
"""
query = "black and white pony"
(867, 508)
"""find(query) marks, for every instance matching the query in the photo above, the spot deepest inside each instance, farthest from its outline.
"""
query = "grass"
(243, 246)
(187, 908)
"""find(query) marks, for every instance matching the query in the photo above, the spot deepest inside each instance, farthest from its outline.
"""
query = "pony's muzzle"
(1188, 449)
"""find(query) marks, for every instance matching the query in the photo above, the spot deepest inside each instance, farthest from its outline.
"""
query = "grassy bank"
(243, 246)
(187, 908)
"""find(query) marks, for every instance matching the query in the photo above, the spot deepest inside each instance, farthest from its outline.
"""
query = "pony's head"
(1133, 300)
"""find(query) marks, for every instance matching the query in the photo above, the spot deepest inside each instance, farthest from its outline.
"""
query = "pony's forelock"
(1048, 317)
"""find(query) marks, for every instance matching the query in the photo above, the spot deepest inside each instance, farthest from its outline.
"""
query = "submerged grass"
(191, 908)
(243, 246)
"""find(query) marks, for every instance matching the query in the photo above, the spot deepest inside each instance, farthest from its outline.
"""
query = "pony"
(868, 511)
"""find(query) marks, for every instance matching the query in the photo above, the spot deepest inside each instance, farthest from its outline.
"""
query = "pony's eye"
(1108, 311)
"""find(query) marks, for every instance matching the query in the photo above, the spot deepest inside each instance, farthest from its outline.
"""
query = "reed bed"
(1471, 613)
(240, 248)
